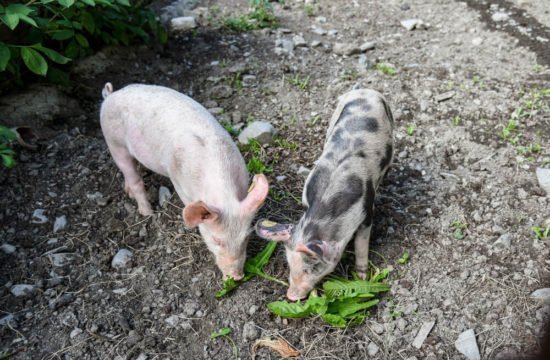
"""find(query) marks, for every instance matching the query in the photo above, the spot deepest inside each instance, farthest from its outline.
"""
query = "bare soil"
(454, 167)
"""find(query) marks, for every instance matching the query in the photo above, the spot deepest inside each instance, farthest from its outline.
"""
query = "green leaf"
(8, 161)
(221, 332)
(348, 307)
(123, 2)
(289, 310)
(34, 61)
(228, 286)
(5, 55)
(262, 258)
(63, 34)
(28, 20)
(317, 304)
(72, 50)
(82, 40)
(7, 134)
(52, 54)
(335, 320)
(88, 22)
(18, 9)
(66, 3)
(89, 2)
(404, 258)
(347, 289)
(11, 20)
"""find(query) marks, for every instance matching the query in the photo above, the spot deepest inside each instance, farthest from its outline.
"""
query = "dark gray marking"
(311, 231)
(199, 140)
(317, 184)
(369, 203)
(359, 143)
(314, 246)
(329, 155)
(386, 160)
(343, 200)
(336, 138)
(354, 107)
(388, 110)
(358, 124)
(361, 154)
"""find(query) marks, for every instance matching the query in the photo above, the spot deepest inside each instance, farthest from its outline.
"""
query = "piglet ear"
(256, 195)
(273, 231)
(316, 249)
(197, 213)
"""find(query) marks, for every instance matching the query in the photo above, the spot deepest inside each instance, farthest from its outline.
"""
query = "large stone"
(543, 176)
(346, 49)
(7, 248)
(183, 23)
(259, 130)
(250, 332)
(541, 294)
(467, 345)
(22, 290)
(121, 259)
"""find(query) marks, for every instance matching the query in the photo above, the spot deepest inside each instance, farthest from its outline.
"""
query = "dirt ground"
(459, 79)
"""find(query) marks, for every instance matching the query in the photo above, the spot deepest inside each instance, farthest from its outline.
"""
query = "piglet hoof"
(145, 210)
(362, 274)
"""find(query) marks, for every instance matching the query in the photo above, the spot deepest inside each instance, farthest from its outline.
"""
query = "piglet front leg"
(361, 243)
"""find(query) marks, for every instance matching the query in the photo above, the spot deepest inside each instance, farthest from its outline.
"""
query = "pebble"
(299, 41)
(543, 177)
(346, 49)
(423, 333)
(366, 46)
(221, 91)
(466, 344)
(183, 23)
(7, 248)
(249, 80)
(98, 198)
(280, 178)
(503, 242)
(318, 31)
(121, 259)
(405, 7)
(377, 328)
(477, 41)
(60, 223)
(499, 16)
(39, 217)
(61, 301)
(22, 290)
(372, 349)
(133, 338)
(172, 321)
(541, 294)
(444, 96)
(316, 43)
(250, 332)
(216, 111)
(7, 319)
(321, 19)
(402, 324)
(259, 130)
(303, 171)
(332, 32)
(61, 259)
(253, 309)
(411, 24)
(75, 332)
(164, 195)
(142, 356)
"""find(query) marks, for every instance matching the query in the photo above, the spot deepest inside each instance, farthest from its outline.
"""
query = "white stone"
(315, 43)
(411, 24)
(7, 248)
(259, 130)
(216, 111)
(142, 356)
(60, 223)
(318, 31)
(122, 258)
(543, 176)
(299, 41)
(466, 344)
(500, 16)
(61, 259)
(21, 290)
(8, 319)
(541, 294)
(172, 321)
(183, 23)
(303, 171)
(75, 332)
(164, 195)
(372, 349)
(38, 216)
(477, 41)
(423, 333)
(346, 49)
(369, 45)
(280, 178)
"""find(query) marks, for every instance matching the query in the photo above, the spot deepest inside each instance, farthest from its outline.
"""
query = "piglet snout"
(236, 275)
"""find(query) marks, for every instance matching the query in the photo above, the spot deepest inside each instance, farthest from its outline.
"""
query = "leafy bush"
(6, 136)
(41, 33)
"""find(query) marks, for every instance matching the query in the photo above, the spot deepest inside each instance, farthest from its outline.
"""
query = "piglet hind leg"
(133, 183)
(361, 243)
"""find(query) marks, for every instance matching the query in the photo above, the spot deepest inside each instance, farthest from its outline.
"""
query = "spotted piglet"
(173, 135)
(339, 193)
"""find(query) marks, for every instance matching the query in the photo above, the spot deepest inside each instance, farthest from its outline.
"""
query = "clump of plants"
(261, 16)
(6, 153)
(40, 36)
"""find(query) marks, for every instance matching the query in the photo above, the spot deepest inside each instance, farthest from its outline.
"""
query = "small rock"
(221, 92)
(299, 41)
(60, 223)
(402, 324)
(190, 308)
(372, 349)
(98, 198)
(250, 332)
(216, 111)
(346, 49)
(280, 178)
(444, 96)
(541, 294)
(22, 290)
(8, 319)
(318, 31)
(477, 41)
(133, 338)
(316, 43)
(377, 328)
(249, 80)
(38, 216)
(366, 46)
(321, 19)
(61, 259)
(7, 248)
(405, 7)
(183, 23)
(543, 176)
(236, 117)
(499, 16)
(423, 333)
(164, 195)
(466, 344)
(142, 356)
(303, 171)
(61, 301)
(503, 242)
(252, 309)
(75, 332)
(411, 24)
(172, 321)
(259, 130)
(121, 259)
(332, 32)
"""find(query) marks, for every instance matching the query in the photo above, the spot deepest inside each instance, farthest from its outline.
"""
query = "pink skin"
(184, 142)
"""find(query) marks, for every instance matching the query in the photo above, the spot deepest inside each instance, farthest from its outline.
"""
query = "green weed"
(350, 74)
(256, 165)
(459, 229)
(456, 120)
(285, 144)
(252, 267)
(310, 10)
(343, 302)
(229, 128)
(298, 82)
(260, 17)
(225, 334)
(411, 128)
(542, 232)
(404, 258)
(276, 195)
(386, 69)
(6, 137)
(235, 82)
